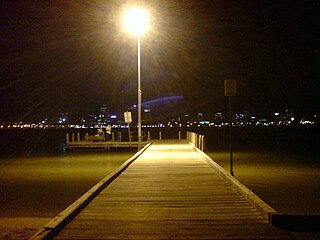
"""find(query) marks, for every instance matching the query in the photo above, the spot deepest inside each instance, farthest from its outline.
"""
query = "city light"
(213, 120)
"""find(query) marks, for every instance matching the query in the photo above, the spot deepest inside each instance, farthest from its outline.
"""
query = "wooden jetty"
(168, 190)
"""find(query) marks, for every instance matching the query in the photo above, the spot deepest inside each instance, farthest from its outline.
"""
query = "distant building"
(63, 119)
(219, 119)
(200, 117)
(93, 120)
(103, 115)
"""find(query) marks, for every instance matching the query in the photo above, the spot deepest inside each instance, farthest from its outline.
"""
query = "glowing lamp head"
(136, 21)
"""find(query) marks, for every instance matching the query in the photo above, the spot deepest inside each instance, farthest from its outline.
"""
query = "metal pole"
(139, 97)
(230, 137)
(129, 132)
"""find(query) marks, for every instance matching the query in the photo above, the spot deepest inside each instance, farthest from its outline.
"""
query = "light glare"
(136, 20)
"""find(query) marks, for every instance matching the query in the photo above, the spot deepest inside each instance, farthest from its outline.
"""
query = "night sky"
(73, 56)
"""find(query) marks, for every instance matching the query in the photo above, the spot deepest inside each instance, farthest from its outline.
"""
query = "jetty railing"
(76, 137)
(196, 139)
(115, 139)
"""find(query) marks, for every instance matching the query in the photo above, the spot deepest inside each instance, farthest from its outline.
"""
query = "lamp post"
(136, 21)
(139, 96)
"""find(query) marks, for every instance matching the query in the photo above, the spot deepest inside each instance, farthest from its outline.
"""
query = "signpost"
(230, 90)
(128, 119)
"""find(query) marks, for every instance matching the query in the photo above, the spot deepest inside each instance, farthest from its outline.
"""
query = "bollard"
(160, 135)
(202, 142)
(67, 138)
(148, 135)
(112, 136)
(72, 137)
(179, 133)
(78, 137)
(86, 137)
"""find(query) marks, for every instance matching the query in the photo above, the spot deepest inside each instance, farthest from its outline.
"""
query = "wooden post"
(160, 135)
(119, 136)
(179, 134)
(72, 137)
(67, 138)
(148, 135)
(202, 139)
(78, 136)
(86, 137)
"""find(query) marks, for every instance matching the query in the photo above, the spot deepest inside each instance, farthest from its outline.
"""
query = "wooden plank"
(170, 192)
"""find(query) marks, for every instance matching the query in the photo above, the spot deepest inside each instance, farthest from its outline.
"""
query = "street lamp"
(136, 22)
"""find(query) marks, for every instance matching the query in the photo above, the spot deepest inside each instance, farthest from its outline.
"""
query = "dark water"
(42, 186)
(289, 184)
(39, 178)
(280, 164)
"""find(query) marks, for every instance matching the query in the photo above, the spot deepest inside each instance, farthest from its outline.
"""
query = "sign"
(230, 88)
(127, 117)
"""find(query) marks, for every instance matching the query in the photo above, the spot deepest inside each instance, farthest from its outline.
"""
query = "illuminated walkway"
(171, 191)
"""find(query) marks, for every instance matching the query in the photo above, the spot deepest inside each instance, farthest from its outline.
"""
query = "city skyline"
(72, 56)
(217, 119)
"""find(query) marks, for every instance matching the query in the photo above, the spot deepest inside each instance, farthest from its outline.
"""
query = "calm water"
(39, 179)
(42, 186)
(289, 184)
(280, 164)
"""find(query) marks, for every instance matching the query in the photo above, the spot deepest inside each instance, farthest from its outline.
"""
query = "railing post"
(201, 142)
(195, 137)
(67, 138)
(78, 136)
(72, 137)
(119, 136)
(86, 137)
(112, 136)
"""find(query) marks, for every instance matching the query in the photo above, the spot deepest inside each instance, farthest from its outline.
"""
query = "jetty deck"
(170, 191)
